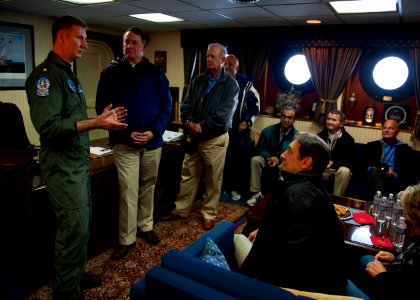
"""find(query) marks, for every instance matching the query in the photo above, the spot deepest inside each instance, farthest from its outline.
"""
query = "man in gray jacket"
(206, 113)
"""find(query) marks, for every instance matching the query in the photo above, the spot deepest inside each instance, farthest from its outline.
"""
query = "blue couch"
(183, 275)
(358, 183)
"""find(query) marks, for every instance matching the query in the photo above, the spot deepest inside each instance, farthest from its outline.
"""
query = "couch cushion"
(213, 255)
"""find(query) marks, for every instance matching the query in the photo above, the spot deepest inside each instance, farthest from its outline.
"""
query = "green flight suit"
(56, 102)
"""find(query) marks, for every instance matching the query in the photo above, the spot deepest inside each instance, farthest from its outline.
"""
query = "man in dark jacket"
(206, 113)
(300, 242)
(342, 148)
(390, 163)
(241, 147)
(132, 81)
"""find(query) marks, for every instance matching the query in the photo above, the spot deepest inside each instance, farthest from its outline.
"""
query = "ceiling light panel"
(88, 2)
(364, 6)
(156, 17)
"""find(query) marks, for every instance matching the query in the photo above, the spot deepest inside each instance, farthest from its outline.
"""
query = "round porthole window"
(390, 73)
(296, 70)
(384, 74)
(291, 69)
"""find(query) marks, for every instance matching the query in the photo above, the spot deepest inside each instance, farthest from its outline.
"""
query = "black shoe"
(121, 251)
(149, 236)
(90, 281)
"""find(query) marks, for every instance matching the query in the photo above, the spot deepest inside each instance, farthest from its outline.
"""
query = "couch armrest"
(221, 234)
(231, 283)
(161, 283)
(138, 290)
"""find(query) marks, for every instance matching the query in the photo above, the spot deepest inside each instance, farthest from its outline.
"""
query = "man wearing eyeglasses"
(273, 141)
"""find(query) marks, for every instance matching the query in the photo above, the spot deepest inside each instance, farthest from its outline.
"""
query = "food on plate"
(340, 210)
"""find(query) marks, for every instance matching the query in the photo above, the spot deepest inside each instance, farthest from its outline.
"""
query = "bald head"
(231, 65)
(390, 130)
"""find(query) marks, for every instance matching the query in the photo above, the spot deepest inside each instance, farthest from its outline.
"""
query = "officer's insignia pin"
(71, 85)
(43, 87)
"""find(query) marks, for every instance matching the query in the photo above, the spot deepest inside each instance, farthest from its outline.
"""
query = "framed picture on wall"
(16, 55)
(400, 113)
(369, 116)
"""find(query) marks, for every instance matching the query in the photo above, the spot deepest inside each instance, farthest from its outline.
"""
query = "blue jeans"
(365, 260)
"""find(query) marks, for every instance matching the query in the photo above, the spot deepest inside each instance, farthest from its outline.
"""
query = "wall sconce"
(352, 99)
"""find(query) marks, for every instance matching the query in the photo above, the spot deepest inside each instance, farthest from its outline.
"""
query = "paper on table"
(99, 151)
(171, 136)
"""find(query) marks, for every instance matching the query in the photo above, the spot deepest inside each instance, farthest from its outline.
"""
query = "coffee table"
(359, 235)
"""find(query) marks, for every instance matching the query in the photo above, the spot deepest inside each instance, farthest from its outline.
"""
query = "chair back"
(15, 148)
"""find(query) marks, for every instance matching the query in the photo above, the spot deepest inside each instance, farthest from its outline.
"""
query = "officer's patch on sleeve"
(43, 86)
(71, 85)
(80, 89)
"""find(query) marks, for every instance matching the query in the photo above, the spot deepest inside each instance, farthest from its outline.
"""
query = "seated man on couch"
(342, 149)
(390, 162)
(273, 141)
(300, 236)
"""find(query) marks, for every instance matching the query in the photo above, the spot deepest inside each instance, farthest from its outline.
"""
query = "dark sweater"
(344, 148)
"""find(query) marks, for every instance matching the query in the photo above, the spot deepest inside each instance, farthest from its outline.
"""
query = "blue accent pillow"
(213, 255)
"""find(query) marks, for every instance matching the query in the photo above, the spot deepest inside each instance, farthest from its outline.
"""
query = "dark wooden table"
(359, 235)
(27, 222)
(354, 235)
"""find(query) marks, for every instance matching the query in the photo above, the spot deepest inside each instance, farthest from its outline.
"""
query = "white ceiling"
(201, 14)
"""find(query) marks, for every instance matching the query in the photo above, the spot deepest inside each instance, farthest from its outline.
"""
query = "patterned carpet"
(119, 276)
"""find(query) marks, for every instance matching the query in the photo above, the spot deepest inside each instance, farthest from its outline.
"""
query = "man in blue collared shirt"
(206, 113)
(389, 161)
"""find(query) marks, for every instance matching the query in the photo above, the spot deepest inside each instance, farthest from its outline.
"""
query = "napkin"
(382, 242)
(363, 218)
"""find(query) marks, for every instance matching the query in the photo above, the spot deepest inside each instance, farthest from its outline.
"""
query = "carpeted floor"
(119, 276)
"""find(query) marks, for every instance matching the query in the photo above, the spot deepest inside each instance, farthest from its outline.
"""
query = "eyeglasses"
(284, 117)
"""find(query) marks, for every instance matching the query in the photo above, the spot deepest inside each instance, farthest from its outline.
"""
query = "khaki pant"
(257, 165)
(341, 180)
(137, 175)
(210, 159)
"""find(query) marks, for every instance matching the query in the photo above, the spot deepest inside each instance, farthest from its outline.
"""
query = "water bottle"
(375, 206)
(390, 204)
(399, 234)
(383, 210)
(381, 219)
(397, 212)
